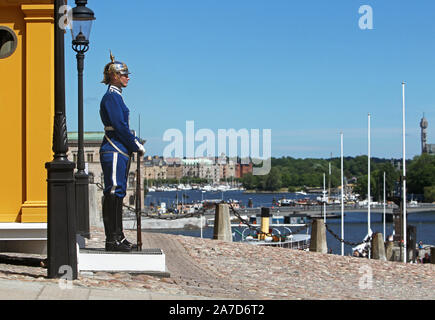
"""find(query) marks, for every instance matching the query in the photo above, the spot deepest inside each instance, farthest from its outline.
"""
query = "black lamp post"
(81, 29)
(61, 232)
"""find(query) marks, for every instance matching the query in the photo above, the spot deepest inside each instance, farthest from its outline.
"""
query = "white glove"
(141, 147)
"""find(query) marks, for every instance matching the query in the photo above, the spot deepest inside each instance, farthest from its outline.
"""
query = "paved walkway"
(211, 269)
(27, 290)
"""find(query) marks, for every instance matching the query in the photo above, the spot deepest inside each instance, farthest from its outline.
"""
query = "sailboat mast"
(404, 175)
(368, 183)
(342, 198)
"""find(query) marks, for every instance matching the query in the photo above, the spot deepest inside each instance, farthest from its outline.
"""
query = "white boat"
(364, 247)
(284, 239)
(184, 187)
(301, 193)
(413, 204)
(286, 202)
(206, 188)
(223, 187)
(292, 241)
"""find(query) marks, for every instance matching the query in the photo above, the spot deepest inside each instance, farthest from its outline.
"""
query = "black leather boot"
(119, 228)
(113, 241)
(109, 212)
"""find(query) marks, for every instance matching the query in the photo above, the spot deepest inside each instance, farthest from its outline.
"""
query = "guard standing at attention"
(116, 149)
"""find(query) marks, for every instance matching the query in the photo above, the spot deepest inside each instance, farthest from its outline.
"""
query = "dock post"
(222, 223)
(378, 247)
(389, 250)
(318, 237)
(432, 255)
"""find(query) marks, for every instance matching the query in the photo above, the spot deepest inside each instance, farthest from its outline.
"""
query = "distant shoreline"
(268, 192)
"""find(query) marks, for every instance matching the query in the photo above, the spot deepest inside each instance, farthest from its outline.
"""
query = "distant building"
(242, 168)
(213, 169)
(225, 167)
(203, 168)
(425, 147)
(174, 169)
(228, 170)
(91, 142)
(155, 168)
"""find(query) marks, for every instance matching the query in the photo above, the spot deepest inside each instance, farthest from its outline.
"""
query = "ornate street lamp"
(61, 232)
(81, 28)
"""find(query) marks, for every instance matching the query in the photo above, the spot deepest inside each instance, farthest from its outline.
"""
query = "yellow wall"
(26, 110)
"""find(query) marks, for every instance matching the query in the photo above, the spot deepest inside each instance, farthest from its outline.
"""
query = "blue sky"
(303, 69)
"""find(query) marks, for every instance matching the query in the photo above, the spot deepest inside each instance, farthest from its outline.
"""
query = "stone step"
(23, 237)
(147, 261)
(23, 231)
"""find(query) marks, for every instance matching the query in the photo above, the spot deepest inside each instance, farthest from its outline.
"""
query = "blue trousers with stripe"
(115, 170)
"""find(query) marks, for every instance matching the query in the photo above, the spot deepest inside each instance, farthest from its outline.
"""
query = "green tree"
(248, 181)
(420, 173)
(377, 181)
(273, 180)
(429, 194)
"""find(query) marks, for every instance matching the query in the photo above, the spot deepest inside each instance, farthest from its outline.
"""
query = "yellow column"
(11, 113)
(39, 108)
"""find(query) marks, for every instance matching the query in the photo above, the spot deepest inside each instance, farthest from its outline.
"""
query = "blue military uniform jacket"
(115, 117)
(118, 142)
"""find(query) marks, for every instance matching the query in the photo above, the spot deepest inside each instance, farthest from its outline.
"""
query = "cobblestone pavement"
(216, 269)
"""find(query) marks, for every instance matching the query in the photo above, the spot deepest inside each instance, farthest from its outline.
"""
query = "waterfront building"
(155, 168)
(214, 170)
(174, 169)
(203, 168)
(226, 167)
(241, 169)
(228, 170)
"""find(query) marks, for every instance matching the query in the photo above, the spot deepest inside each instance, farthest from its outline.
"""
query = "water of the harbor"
(189, 196)
(355, 223)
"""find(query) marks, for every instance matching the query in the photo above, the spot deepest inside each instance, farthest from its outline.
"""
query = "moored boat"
(291, 241)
